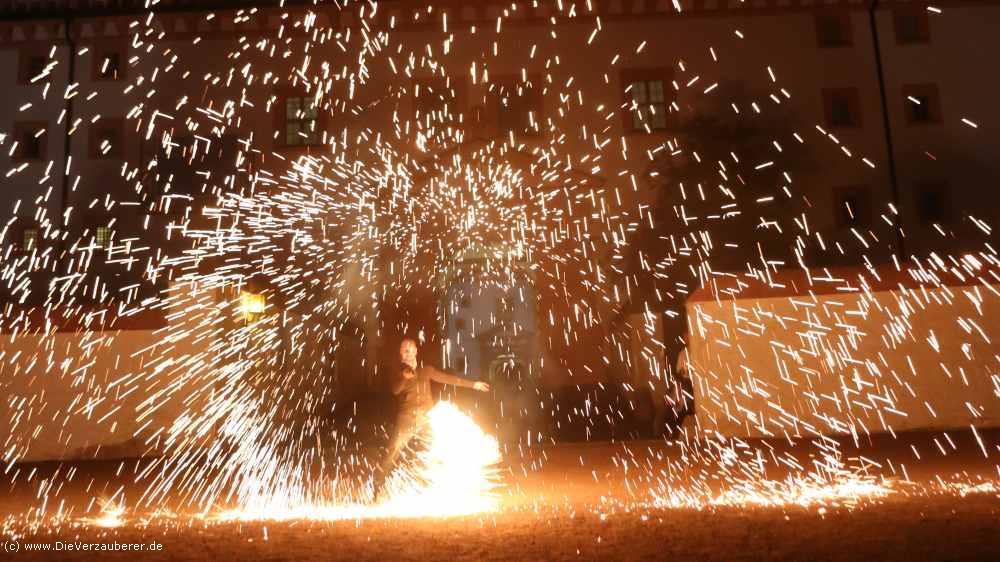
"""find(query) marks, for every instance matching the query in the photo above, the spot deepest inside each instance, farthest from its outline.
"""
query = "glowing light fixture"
(252, 305)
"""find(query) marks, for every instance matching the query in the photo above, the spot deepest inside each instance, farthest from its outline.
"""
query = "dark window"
(460, 323)
(31, 146)
(505, 310)
(840, 112)
(852, 207)
(648, 104)
(920, 109)
(519, 109)
(110, 67)
(103, 237)
(922, 104)
(31, 63)
(107, 139)
(834, 30)
(933, 203)
(912, 26)
(301, 121)
(843, 107)
(30, 141)
(29, 239)
(109, 63)
(646, 96)
(36, 65)
(435, 99)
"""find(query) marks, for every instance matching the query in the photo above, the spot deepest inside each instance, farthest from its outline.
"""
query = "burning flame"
(454, 475)
(112, 515)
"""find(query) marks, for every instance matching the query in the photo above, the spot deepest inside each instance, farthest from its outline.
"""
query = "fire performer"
(413, 386)
(673, 395)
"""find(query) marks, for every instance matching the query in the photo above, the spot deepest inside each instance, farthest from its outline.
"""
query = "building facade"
(121, 124)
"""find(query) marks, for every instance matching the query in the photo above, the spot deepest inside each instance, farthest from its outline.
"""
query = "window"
(31, 64)
(108, 63)
(435, 100)
(301, 121)
(920, 109)
(30, 138)
(923, 106)
(29, 239)
(933, 201)
(840, 112)
(460, 324)
(519, 110)
(843, 107)
(110, 67)
(646, 99)
(429, 96)
(103, 237)
(912, 26)
(107, 139)
(31, 146)
(504, 309)
(834, 30)
(852, 207)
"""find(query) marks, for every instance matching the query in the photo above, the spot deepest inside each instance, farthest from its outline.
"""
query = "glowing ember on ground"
(797, 491)
(110, 517)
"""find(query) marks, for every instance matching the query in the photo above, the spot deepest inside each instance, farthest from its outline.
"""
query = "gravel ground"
(562, 512)
(925, 528)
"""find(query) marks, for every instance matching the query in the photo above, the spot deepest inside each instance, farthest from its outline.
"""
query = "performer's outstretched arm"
(446, 378)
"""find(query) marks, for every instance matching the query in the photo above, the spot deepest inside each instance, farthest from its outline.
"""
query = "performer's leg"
(660, 417)
(407, 426)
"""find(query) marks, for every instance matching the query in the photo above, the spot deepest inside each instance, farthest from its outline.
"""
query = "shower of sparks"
(454, 474)
(270, 262)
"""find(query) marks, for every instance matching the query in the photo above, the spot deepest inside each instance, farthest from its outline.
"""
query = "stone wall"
(79, 393)
(882, 360)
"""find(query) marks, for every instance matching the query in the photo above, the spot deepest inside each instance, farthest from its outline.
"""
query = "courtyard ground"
(585, 503)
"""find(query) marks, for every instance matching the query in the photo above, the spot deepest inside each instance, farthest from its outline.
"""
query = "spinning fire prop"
(454, 473)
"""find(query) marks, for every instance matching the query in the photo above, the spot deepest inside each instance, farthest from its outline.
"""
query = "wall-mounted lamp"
(252, 305)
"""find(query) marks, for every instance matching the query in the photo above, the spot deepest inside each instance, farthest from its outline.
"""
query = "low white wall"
(77, 394)
(847, 363)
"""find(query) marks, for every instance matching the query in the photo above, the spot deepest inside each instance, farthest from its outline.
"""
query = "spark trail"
(386, 178)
